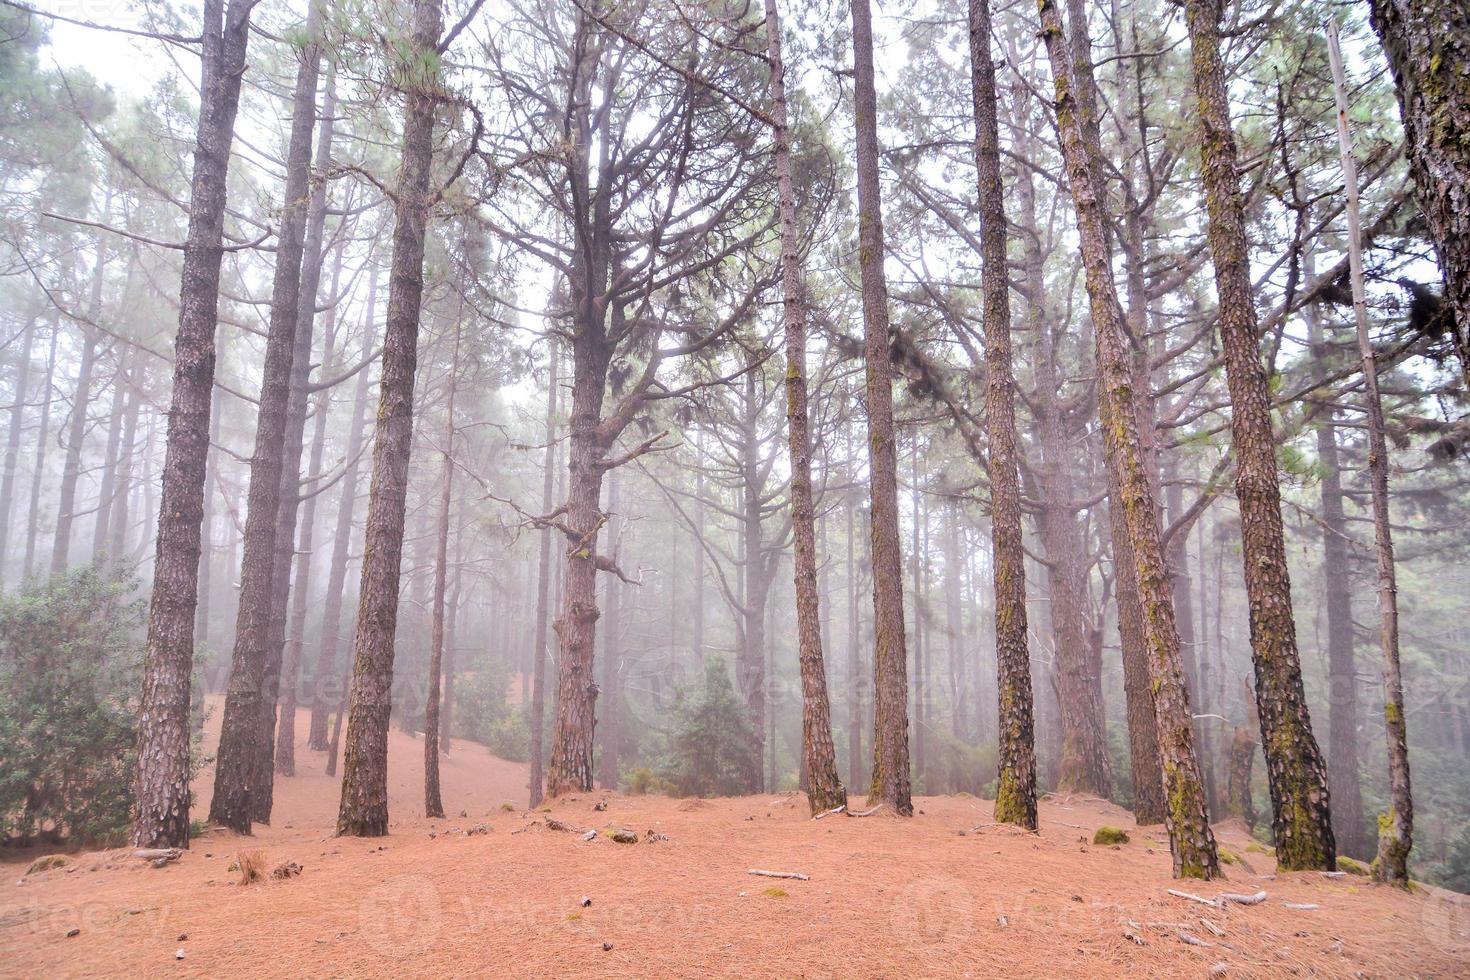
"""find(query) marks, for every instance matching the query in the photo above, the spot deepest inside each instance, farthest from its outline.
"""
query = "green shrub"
(712, 751)
(70, 678)
(1110, 835)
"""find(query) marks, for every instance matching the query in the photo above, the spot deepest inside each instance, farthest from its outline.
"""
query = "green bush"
(712, 751)
(70, 671)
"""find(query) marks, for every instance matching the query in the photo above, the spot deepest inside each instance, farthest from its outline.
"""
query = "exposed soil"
(945, 893)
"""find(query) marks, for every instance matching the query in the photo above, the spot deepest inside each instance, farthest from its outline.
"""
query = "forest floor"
(496, 891)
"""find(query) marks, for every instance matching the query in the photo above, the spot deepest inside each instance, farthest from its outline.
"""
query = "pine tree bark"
(890, 782)
(433, 801)
(1395, 827)
(1015, 790)
(1428, 46)
(819, 757)
(1192, 843)
(161, 812)
(364, 808)
(1295, 770)
(242, 766)
(543, 584)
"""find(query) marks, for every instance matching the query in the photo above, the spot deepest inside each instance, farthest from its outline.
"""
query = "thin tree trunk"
(1428, 46)
(12, 438)
(364, 806)
(1015, 791)
(206, 526)
(161, 813)
(77, 424)
(1343, 760)
(819, 757)
(855, 676)
(327, 671)
(543, 583)
(1396, 827)
(1295, 770)
(121, 501)
(607, 765)
(286, 643)
(43, 440)
(1192, 843)
(433, 803)
(242, 768)
(110, 460)
(890, 783)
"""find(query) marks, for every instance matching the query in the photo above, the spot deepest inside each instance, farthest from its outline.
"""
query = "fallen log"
(796, 875)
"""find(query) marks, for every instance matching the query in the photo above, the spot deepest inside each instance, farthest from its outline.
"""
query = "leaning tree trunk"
(364, 807)
(326, 671)
(433, 801)
(543, 584)
(890, 668)
(1295, 769)
(1396, 827)
(1428, 47)
(819, 757)
(161, 811)
(238, 772)
(1015, 788)
(1191, 841)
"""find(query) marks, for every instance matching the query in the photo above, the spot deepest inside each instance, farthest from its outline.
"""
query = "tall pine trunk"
(13, 434)
(819, 757)
(161, 811)
(890, 782)
(1295, 770)
(1396, 826)
(1015, 788)
(240, 785)
(364, 807)
(543, 583)
(1191, 841)
(433, 802)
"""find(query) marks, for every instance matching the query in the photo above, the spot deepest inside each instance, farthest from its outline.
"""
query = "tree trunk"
(240, 785)
(364, 807)
(607, 765)
(1015, 788)
(327, 672)
(1396, 827)
(286, 643)
(890, 783)
(1428, 46)
(43, 440)
(819, 757)
(1294, 767)
(110, 460)
(433, 804)
(543, 582)
(77, 423)
(1343, 761)
(1192, 843)
(855, 677)
(161, 813)
(12, 438)
(120, 501)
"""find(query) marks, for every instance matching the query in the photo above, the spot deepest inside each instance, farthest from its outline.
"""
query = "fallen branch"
(865, 813)
(155, 853)
(798, 876)
(1194, 898)
(828, 813)
(1190, 939)
(1255, 899)
(1303, 906)
(1214, 930)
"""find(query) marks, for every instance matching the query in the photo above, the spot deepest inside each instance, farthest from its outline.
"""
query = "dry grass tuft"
(251, 866)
